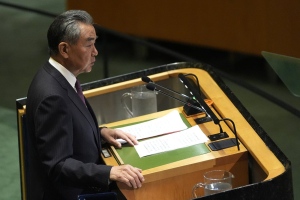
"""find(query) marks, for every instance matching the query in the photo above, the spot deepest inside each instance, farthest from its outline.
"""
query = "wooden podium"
(259, 166)
(175, 180)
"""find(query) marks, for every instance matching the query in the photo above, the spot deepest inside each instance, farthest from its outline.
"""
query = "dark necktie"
(79, 91)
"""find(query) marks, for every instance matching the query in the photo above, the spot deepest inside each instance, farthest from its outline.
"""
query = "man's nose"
(95, 51)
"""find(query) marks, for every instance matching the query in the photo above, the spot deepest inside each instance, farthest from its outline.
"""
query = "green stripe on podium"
(129, 155)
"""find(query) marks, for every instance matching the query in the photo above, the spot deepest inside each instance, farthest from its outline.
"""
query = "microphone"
(194, 92)
(214, 145)
(189, 110)
(146, 79)
(151, 86)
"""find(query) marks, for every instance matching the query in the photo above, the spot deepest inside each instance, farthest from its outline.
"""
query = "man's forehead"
(88, 32)
(88, 37)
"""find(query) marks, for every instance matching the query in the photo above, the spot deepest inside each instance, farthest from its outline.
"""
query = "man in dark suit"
(65, 141)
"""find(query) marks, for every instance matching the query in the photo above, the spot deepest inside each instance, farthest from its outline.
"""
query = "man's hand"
(127, 174)
(110, 135)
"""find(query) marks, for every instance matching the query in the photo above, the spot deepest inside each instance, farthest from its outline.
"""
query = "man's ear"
(63, 49)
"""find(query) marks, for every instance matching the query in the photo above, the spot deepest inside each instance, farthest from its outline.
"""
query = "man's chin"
(89, 68)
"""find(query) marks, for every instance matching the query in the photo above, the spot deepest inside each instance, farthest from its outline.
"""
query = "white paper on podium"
(169, 123)
(185, 138)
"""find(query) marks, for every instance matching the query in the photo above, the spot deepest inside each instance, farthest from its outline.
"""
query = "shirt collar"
(66, 73)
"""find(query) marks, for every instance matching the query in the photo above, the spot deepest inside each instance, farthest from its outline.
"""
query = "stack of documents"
(181, 136)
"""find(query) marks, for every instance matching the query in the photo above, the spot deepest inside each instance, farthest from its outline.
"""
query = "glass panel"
(287, 68)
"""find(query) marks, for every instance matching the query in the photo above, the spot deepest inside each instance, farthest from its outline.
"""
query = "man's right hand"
(127, 174)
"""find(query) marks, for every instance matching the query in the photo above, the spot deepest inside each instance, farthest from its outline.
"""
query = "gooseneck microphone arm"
(151, 86)
(146, 79)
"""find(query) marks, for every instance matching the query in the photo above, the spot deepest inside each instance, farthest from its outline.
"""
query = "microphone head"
(146, 79)
(150, 86)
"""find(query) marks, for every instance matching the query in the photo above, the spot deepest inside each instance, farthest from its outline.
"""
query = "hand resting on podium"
(127, 174)
(116, 136)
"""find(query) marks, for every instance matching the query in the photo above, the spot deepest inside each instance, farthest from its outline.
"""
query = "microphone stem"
(185, 103)
(172, 91)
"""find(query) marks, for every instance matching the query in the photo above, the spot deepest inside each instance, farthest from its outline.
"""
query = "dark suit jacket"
(64, 145)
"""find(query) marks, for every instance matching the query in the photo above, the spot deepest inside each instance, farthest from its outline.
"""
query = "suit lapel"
(96, 133)
(86, 111)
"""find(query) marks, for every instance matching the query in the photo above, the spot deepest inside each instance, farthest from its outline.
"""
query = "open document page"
(185, 138)
(169, 123)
